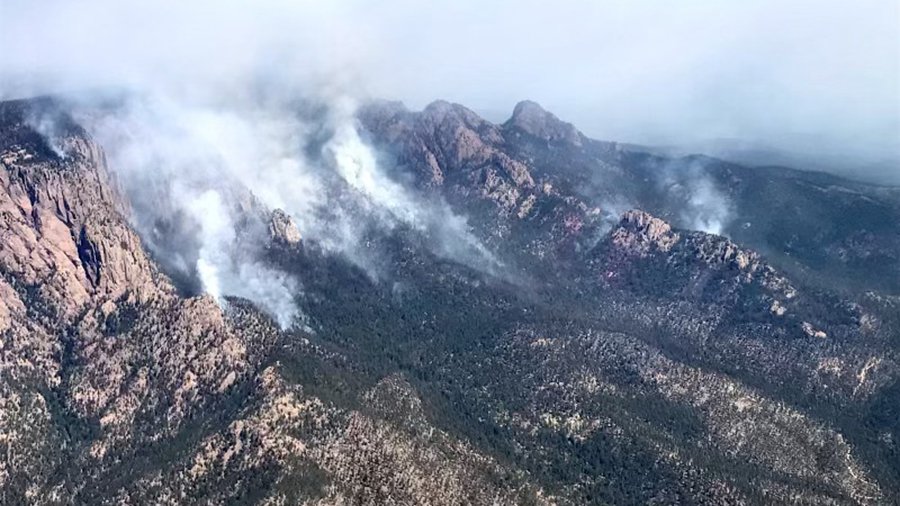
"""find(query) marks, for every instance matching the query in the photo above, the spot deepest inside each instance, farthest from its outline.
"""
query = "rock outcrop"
(530, 118)
(646, 252)
(640, 234)
(113, 387)
(64, 233)
(453, 151)
(93, 333)
(282, 228)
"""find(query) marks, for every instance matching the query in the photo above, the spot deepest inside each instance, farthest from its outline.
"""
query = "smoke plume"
(203, 178)
(696, 198)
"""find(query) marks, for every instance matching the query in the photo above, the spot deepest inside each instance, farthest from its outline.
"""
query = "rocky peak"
(84, 313)
(282, 228)
(641, 233)
(646, 255)
(531, 118)
(441, 111)
(448, 142)
(159, 398)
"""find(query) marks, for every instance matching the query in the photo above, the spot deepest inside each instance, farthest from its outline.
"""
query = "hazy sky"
(821, 74)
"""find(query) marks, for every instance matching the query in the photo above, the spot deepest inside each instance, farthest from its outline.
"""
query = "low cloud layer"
(804, 76)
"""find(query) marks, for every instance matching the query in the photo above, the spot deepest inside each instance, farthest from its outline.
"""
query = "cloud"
(802, 75)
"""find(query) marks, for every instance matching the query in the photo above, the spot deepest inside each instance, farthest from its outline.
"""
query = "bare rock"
(282, 228)
(639, 234)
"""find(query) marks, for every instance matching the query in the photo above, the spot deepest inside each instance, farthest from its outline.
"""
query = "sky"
(810, 76)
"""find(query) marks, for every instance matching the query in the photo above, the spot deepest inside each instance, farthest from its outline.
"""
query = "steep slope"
(96, 342)
(839, 233)
(536, 380)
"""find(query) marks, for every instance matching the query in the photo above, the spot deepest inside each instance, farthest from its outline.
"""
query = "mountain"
(631, 329)
(810, 156)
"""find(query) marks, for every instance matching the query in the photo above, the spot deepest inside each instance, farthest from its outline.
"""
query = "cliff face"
(64, 232)
(636, 361)
(643, 250)
(93, 335)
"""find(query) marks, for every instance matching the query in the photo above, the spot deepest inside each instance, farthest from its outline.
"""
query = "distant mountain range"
(546, 319)
(885, 171)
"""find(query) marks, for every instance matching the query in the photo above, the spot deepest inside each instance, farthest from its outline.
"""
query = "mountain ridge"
(681, 377)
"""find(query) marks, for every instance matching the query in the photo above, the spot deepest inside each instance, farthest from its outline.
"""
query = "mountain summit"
(529, 117)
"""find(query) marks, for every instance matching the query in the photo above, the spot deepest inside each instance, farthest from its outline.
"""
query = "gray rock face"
(282, 228)
(529, 117)
(92, 330)
(64, 226)
(640, 234)
(450, 150)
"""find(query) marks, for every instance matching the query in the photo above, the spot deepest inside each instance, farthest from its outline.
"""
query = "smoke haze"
(805, 76)
(202, 180)
(211, 125)
(703, 205)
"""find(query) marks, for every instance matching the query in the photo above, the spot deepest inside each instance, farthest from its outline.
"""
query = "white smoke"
(45, 123)
(708, 209)
(701, 204)
(202, 177)
(191, 176)
(223, 273)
